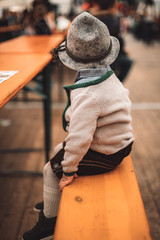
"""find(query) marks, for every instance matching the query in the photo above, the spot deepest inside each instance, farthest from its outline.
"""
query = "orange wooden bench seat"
(104, 207)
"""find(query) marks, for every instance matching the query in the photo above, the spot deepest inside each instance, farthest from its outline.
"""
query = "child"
(97, 117)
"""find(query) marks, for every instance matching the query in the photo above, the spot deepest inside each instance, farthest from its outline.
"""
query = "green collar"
(81, 85)
(86, 84)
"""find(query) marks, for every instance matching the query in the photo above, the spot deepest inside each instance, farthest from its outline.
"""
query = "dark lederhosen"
(93, 163)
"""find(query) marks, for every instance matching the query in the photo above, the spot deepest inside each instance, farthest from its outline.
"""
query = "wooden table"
(32, 44)
(27, 65)
(29, 45)
(11, 28)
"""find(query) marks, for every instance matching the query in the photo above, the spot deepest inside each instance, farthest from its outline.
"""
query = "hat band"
(88, 59)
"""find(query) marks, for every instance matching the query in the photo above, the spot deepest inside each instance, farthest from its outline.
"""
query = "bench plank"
(107, 206)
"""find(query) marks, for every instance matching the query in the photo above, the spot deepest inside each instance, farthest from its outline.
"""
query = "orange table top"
(32, 44)
(27, 65)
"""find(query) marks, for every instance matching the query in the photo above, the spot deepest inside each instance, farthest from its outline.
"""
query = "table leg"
(47, 108)
(60, 82)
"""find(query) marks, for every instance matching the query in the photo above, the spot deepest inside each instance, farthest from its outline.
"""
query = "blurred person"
(28, 23)
(4, 22)
(41, 20)
(149, 21)
(4, 19)
(50, 20)
(146, 25)
(40, 10)
(106, 11)
(97, 117)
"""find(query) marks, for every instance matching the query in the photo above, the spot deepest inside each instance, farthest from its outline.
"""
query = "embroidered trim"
(67, 106)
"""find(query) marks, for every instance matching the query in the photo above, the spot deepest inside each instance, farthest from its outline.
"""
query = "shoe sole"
(46, 238)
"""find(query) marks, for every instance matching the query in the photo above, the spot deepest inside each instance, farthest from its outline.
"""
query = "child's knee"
(58, 148)
(49, 177)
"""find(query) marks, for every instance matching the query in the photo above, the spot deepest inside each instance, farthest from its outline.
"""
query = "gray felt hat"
(88, 44)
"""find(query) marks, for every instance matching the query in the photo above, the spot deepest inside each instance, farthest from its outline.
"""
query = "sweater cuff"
(69, 174)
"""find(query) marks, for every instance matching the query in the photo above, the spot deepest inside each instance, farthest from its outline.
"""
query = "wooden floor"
(21, 126)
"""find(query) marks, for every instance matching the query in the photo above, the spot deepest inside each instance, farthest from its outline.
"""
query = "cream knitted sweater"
(97, 116)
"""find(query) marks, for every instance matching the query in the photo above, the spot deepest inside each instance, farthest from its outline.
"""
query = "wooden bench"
(103, 207)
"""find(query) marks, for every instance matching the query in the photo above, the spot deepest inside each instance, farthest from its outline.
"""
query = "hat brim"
(110, 58)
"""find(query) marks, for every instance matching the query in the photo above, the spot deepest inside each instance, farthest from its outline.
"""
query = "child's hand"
(65, 180)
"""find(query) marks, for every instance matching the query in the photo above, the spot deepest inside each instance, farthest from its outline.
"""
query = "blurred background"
(136, 23)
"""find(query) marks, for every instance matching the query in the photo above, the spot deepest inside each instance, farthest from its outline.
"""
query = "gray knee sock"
(51, 192)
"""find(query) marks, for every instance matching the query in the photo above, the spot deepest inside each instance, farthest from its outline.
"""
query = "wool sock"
(51, 192)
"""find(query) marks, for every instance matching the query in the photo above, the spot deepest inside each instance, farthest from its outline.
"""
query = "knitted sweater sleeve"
(83, 121)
